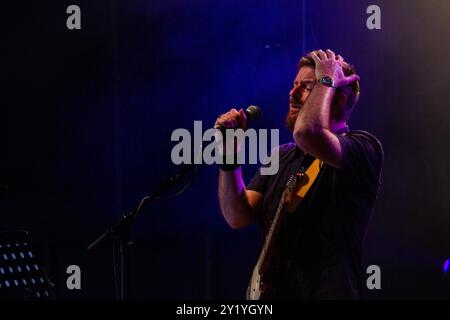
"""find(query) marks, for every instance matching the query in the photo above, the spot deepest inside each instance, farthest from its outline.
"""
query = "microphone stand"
(120, 233)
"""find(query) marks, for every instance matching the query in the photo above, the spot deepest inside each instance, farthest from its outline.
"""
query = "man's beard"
(291, 118)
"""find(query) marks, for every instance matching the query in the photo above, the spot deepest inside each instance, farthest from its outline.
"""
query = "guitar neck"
(266, 251)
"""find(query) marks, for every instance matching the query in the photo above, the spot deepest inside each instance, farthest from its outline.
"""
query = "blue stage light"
(446, 266)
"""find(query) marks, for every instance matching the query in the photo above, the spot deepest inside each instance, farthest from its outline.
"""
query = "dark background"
(89, 115)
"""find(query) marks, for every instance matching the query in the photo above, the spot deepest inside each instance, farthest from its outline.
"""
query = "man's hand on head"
(328, 64)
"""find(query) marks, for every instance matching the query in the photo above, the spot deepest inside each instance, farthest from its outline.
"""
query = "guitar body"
(255, 289)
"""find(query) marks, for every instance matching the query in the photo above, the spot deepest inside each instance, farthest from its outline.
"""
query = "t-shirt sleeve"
(362, 157)
(260, 181)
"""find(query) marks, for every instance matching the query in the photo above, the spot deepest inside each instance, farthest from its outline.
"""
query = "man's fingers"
(315, 57)
(243, 118)
(322, 55)
(342, 61)
(352, 78)
(331, 55)
(233, 119)
(242, 114)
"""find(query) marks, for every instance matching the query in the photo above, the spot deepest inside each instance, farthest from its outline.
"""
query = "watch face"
(327, 81)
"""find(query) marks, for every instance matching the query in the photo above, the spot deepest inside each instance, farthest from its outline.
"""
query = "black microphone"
(252, 113)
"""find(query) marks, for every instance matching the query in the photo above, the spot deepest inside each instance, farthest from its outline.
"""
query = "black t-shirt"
(319, 246)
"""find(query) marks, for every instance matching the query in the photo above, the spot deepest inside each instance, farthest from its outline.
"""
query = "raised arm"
(313, 131)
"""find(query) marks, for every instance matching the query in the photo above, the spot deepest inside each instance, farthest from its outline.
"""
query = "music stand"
(21, 277)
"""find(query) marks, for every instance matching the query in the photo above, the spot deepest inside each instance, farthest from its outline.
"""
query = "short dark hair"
(351, 91)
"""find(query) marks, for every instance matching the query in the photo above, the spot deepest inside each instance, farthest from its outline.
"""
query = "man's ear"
(339, 101)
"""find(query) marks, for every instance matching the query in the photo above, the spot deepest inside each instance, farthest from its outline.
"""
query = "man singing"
(317, 251)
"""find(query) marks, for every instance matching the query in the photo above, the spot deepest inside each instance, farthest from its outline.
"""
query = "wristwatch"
(327, 81)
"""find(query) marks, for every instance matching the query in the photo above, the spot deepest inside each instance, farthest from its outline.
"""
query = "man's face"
(303, 84)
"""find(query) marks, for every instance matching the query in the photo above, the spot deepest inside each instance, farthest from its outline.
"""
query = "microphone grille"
(254, 112)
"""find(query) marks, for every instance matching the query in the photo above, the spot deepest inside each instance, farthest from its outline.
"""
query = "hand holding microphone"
(233, 119)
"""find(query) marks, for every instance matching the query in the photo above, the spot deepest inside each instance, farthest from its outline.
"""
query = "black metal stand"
(120, 233)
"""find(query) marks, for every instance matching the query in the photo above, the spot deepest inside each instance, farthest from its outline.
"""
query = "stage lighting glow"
(446, 266)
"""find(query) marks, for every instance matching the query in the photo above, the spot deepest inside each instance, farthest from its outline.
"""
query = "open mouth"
(295, 103)
(296, 106)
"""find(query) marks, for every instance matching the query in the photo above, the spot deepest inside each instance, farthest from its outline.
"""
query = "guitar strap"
(311, 174)
(305, 181)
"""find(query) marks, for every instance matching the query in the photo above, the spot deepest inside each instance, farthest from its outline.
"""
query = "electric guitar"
(295, 190)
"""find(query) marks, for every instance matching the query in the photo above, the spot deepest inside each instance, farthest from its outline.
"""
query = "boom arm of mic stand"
(120, 233)
(127, 219)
